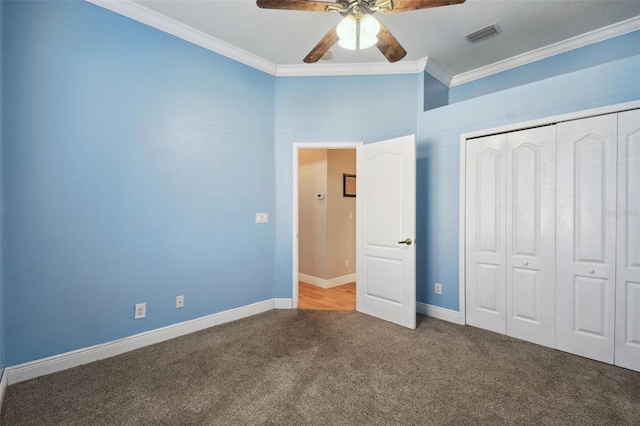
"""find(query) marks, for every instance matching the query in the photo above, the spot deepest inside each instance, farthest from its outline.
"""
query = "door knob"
(591, 270)
(525, 263)
(407, 242)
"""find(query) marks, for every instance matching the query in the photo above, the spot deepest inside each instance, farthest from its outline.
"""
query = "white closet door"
(627, 346)
(485, 229)
(530, 235)
(586, 237)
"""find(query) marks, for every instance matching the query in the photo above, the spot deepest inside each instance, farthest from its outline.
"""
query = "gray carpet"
(332, 367)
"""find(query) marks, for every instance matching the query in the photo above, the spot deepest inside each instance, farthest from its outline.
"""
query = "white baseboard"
(3, 387)
(438, 312)
(333, 282)
(283, 303)
(30, 370)
(40, 367)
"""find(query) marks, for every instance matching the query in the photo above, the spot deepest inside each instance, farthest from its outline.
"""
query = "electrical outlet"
(179, 302)
(141, 311)
(346, 262)
(438, 288)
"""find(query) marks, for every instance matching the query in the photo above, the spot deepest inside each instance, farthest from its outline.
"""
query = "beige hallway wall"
(312, 222)
(341, 215)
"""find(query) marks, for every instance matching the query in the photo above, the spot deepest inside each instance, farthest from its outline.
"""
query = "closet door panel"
(530, 235)
(586, 236)
(485, 274)
(627, 346)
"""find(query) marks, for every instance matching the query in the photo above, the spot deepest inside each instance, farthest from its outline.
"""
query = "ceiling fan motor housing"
(356, 8)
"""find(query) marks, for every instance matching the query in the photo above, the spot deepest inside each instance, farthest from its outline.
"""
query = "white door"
(530, 235)
(385, 230)
(627, 346)
(586, 237)
(485, 233)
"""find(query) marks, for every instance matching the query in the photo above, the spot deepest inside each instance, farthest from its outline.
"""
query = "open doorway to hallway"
(326, 229)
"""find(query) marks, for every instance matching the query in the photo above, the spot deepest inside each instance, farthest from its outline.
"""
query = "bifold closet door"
(586, 236)
(485, 228)
(530, 234)
(627, 346)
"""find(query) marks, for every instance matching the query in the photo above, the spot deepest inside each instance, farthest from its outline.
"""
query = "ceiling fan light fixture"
(346, 31)
(358, 29)
(347, 44)
(369, 29)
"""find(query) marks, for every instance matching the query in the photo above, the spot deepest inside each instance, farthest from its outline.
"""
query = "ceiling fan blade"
(323, 46)
(389, 46)
(406, 5)
(313, 6)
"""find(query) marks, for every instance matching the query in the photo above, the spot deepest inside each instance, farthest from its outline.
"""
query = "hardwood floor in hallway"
(335, 298)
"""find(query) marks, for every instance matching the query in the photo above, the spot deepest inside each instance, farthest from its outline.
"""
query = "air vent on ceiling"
(483, 33)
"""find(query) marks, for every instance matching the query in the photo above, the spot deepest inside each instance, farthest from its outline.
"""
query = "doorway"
(324, 220)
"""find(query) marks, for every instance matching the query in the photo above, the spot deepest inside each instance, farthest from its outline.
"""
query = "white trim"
(553, 119)
(437, 72)
(294, 230)
(439, 313)
(3, 387)
(601, 34)
(462, 300)
(294, 204)
(504, 129)
(52, 364)
(333, 282)
(161, 22)
(376, 68)
(282, 303)
(309, 279)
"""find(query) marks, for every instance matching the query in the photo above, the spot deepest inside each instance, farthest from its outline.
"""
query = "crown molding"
(161, 22)
(317, 70)
(437, 72)
(602, 34)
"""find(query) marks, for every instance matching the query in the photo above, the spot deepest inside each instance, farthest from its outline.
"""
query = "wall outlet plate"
(179, 302)
(262, 218)
(141, 311)
(438, 288)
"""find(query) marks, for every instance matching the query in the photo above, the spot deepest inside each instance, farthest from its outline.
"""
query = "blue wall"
(333, 109)
(134, 163)
(435, 94)
(625, 46)
(439, 148)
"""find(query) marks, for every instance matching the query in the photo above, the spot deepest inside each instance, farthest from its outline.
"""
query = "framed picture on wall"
(348, 185)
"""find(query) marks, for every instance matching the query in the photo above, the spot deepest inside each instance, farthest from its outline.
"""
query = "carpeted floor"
(332, 368)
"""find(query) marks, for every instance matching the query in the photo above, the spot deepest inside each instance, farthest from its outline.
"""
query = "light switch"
(262, 218)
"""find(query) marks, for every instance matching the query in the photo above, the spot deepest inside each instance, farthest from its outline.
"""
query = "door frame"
(468, 137)
(297, 146)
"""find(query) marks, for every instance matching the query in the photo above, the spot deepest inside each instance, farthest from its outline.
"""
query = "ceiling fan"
(358, 29)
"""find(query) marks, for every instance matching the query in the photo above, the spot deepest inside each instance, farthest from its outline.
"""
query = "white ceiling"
(283, 37)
